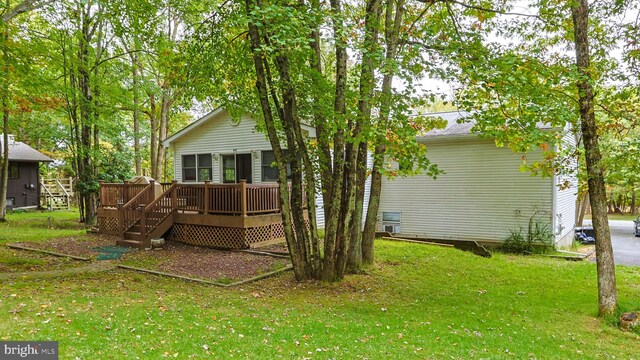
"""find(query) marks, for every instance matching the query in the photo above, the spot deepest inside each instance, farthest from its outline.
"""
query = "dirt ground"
(174, 258)
(207, 263)
(75, 245)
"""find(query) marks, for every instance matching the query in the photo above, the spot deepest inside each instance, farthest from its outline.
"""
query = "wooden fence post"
(243, 197)
(206, 196)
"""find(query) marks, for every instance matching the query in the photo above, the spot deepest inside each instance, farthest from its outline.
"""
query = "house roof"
(459, 125)
(456, 125)
(19, 151)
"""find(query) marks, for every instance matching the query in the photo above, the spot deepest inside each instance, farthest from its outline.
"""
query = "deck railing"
(130, 212)
(158, 210)
(139, 204)
(113, 194)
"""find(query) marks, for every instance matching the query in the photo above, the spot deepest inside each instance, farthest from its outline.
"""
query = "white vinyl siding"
(566, 194)
(482, 196)
(218, 137)
(367, 192)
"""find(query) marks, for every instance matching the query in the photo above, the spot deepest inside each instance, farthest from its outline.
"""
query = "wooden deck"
(229, 216)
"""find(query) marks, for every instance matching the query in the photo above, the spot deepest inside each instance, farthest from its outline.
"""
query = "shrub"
(538, 239)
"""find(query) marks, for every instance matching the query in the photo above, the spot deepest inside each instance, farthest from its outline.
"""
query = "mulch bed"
(205, 263)
(277, 248)
(75, 245)
(175, 258)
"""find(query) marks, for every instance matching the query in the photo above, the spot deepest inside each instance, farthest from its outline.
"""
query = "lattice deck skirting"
(108, 225)
(222, 237)
(226, 237)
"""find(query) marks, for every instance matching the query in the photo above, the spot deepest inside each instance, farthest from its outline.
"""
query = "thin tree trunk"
(4, 173)
(136, 114)
(583, 210)
(393, 22)
(332, 236)
(367, 85)
(633, 200)
(607, 292)
(301, 264)
(4, 176)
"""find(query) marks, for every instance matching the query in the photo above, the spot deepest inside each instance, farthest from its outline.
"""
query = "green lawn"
(418, 301)
(40, 225)
(616, 217)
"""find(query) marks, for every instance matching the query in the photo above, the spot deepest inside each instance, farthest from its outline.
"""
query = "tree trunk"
(4, 171)
(162, 126)
(393, 22)
(4, 174)
(299, 238)
(607, 293)
(583, 209)
(153, 120)
(136, 114)
(332, 236)
(367, 85)
(632, 206)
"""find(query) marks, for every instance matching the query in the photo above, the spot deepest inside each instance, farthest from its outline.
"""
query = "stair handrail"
(43, 186)
(152, 205)
(59, 184)
(135, 201)
(66, 194)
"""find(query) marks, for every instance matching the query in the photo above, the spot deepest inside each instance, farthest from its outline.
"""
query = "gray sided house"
(482, 195)
(23, 189)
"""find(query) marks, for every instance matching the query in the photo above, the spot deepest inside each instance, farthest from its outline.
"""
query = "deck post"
(125, 191)
(206, 196)
(102, 195)
(143, 221)
(151, 194)
(174, 195)
(243, 197)
(120, 220)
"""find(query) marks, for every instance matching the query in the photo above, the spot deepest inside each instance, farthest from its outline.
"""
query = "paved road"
(626, 247)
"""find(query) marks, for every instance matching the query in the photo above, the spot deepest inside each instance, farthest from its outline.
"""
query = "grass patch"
(616, 217)
(40, 225)
(416, 302)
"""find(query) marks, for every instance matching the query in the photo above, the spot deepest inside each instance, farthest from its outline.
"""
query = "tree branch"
(479, 8)
(128, 52)
(23, 7)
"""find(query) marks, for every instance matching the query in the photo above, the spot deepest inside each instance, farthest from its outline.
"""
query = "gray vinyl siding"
(482, 195)
(566, 193)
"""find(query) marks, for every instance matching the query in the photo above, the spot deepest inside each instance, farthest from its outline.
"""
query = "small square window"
(391, 217)
(189, 175)
(189, 161)
(14, 171)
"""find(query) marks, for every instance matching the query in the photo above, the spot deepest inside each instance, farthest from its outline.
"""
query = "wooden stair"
(56, 194)
(154, 221)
